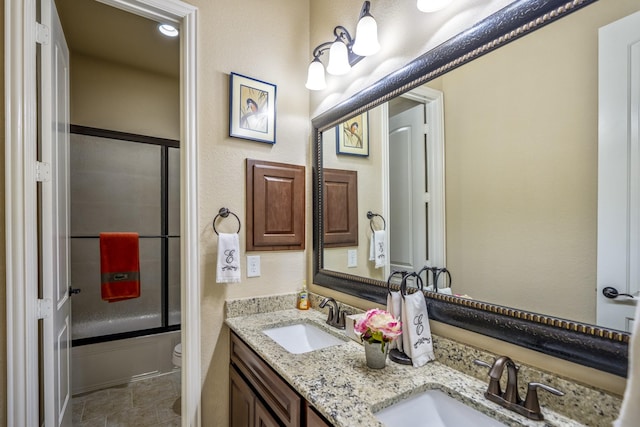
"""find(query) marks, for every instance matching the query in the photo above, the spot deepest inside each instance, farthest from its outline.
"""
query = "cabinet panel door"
(264, 417)
(241, 401)
(278, 395)
(314, 419)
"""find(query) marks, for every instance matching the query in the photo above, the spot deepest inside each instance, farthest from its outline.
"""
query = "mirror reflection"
(518, 196)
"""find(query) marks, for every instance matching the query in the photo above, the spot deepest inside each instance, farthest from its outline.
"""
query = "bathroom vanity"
(333, 386)
(254, 386)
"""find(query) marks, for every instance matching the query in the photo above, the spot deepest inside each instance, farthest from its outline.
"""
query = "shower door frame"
(21, 110)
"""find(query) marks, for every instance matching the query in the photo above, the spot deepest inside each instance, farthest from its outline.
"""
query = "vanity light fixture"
(432, 5)
(344, 51)
(168, 30)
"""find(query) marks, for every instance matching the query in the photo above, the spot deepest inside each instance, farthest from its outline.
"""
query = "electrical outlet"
(253, 265)
(352, 258)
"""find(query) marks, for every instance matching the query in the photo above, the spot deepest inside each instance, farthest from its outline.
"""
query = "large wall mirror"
(512, 212)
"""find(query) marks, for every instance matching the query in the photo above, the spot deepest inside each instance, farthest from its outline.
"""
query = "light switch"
(253, 265)
(352, 258)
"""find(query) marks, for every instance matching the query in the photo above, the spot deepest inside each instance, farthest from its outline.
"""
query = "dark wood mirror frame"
(588, 345)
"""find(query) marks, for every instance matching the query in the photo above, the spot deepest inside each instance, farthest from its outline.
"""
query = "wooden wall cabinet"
(259, 397)
(275, 209)
(340, 208)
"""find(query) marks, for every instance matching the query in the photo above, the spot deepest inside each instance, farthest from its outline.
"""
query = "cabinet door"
(241, 401)
(263, 416)
(279, 397)
(314, 419)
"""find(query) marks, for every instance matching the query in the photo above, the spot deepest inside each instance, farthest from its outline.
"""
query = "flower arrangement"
(378, 326)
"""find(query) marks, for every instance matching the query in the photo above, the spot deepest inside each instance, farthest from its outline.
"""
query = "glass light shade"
(315, 76)
(366, 37)
(338, 59)
(168, 30)
(432, 5)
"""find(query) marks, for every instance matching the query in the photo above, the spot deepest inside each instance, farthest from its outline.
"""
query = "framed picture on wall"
(252, 109)
(353, 136)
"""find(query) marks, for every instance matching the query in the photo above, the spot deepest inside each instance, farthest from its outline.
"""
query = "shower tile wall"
(115, 186)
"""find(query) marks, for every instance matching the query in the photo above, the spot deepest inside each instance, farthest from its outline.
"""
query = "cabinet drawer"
(277, 394)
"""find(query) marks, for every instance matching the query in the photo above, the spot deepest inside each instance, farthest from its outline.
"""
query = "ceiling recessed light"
(168, 30)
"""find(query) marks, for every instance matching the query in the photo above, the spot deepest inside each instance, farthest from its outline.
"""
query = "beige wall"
(270, 44)
(369, 196)
(115, 97)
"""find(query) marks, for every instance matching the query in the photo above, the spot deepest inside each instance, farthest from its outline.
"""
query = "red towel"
(119, 266)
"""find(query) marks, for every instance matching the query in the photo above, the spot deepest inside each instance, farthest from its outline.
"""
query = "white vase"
(376, 358)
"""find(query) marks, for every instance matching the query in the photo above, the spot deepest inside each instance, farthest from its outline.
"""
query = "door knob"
(74, 291)
(612, 293)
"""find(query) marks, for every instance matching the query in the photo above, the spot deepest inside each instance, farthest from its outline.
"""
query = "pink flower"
(378, 326)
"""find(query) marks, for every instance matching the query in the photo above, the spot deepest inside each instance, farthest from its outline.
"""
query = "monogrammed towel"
(228, 269)
(378, 248)
(416, 333)
(394, 307)
(630, 411)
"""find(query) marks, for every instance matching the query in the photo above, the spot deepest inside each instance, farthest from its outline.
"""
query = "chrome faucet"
(510, 399)
(336, 317)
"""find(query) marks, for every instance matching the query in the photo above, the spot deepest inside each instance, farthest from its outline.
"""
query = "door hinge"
(43, 172)
(426, 129)
(44, 308)
(42, 34)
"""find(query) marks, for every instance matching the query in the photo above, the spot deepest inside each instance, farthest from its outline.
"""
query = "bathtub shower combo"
(124, 183)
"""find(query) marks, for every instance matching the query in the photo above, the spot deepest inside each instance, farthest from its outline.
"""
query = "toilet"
(177, 362)
(177, 355)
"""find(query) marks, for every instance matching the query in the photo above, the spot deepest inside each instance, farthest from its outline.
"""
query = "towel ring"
(224, 212)
(435, 274)
(403, 284)
(370, 216)
(393, 273)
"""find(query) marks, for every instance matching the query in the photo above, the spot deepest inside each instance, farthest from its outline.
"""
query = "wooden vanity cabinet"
(314, 419)
(259, 397)
(257, 394)
(246, 409)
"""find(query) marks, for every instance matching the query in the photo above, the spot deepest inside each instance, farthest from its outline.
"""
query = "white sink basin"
(433, 408)
(302, 338)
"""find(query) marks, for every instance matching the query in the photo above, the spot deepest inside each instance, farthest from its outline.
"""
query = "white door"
(407, 187)
(54, 101)
(619, 172)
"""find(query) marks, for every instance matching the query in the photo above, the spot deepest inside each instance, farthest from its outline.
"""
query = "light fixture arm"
(320, 49)
(366, 6)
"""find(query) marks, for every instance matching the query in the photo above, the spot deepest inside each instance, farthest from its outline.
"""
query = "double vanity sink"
(443, 410)
(328, 370)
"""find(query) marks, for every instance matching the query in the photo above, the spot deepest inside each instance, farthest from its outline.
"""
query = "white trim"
(20, 213)
(20, 205)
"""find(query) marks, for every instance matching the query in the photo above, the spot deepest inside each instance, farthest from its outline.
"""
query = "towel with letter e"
(416, 332)
(228, 269)
(630, 411)
(119, 266)
(378, 248)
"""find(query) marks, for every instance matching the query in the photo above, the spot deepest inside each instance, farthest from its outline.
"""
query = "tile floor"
(138, 404)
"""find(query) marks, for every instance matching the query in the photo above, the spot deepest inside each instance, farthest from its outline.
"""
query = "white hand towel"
(228, 269)
(379, 251)
(394, 307)
(630, 411)
(416, 332)
(372, 248)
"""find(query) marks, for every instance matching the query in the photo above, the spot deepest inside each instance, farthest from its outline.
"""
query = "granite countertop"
(337, 382)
